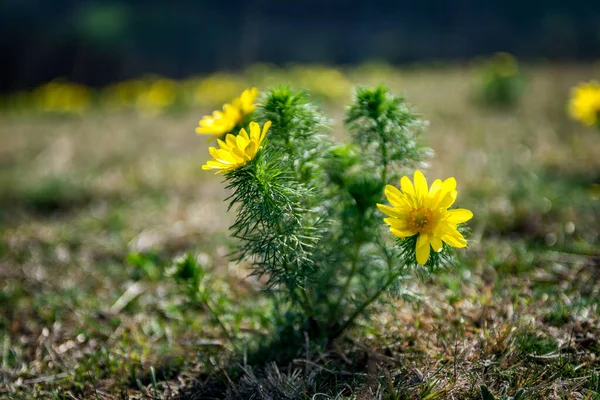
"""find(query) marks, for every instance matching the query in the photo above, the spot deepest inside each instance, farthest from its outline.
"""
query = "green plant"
(501, 83)
(198, 289)
(307, 214)
(530, 343)
(146, 265)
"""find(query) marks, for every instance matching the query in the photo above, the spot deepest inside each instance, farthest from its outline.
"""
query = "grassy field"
(94, 208)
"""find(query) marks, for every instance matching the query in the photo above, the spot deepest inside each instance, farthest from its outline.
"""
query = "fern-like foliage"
(386, 130)
(306, 215)
(296, 129)
(273, 228)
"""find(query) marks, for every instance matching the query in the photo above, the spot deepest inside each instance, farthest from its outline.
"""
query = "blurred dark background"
(98, 42)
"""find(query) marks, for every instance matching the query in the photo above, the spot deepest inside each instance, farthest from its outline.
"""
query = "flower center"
(419, 220)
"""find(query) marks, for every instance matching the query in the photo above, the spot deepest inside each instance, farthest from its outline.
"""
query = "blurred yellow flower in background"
(237, 151)
(150, 95)
(122, 94)
(423, 211)
(584, 105)
(62, 97)
(158, 95)
(321, 81)
(222, 122)
(214, 89)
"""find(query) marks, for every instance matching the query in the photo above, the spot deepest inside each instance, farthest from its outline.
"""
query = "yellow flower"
(63, 97)
(423, 211)
(157, 96)
(245, 103)
(222, 122)
(585, 103)
(237, 151)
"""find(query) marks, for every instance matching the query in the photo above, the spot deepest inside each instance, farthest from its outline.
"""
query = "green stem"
(220, 323)
(384, 155)
(366, 304)
(349, 280)
(308, 310)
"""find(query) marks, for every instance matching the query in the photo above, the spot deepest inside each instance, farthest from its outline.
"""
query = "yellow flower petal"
(407, 187)
(392, 212)
(396, 223)
(241, 142)
(459, 215)
(254, 131)
(213, 165)
(216, 155)
(204, 130)
(250, 150)
(423, 249)
(449, 185)
(401, 233)
(247, 100)
(455, 239)
(265, 129)
(447, 199)
(228, 156)
(421, 188)
(396, 197)
(230, 140)
(436, 243)
(244, 134)
(435, 187)
(222, 144)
